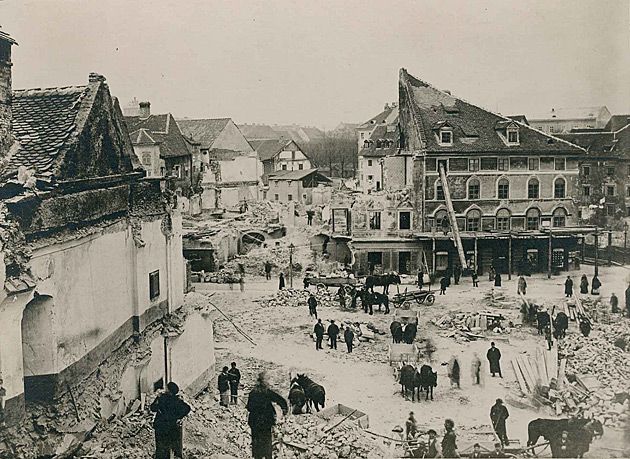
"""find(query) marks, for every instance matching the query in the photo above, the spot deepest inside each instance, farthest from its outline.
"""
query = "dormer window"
(446, 137)
(512, 135)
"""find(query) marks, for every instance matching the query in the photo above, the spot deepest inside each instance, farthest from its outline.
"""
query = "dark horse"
(581, 433)
(384, 280)
(397, 331)
(407, 380)
(370, 299)
(315, 394)
(427, 381)
(414, 381)
(560, 325)
(410, 332)
(297, 398)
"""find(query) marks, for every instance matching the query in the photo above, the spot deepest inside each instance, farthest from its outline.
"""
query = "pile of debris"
(294, 297)
(261, 213)
(466, 327)
(309, 436)
(497, 299)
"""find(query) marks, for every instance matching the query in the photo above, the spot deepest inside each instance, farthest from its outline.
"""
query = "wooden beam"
(519, 377)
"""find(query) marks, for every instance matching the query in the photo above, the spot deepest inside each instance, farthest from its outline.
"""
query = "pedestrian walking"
(568, 287)
(475, 369)
(457, 274)
(420, 278)
(169, 411)
(475, 278)
(319, 334)
(309, 217)
(522, 286)
(494, 358)
(498, 415)
(497, 280)
(454, 372)
(348, 337)
(595, 285)
(548, 337)
(341, 294)
(281, 282)
(584, 285)
(312, 305)
(449, 441)
(333, 331)
(267, 270)
(614, 304)
(628, 301)
(235, 381)
(262, 416)
(241, 283)
(443, 284)
(223, 383)
(491, 273)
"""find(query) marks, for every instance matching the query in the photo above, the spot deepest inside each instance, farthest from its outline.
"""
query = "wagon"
(322, 283)
(406, 316)
(419, 296)
(401, 354)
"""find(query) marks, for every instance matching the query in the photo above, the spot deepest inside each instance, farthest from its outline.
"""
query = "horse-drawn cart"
(401, 354)
(419, 296)
(322, 283)
(406, 316)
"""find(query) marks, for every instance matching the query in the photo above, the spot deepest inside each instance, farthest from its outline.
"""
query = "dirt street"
(365, 381)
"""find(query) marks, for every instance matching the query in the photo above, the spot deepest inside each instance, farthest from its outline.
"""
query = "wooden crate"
(358, 417)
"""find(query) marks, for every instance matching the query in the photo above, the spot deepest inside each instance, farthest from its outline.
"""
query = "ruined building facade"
(90, 250)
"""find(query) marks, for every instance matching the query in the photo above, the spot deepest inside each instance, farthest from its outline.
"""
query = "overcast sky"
(320, 62)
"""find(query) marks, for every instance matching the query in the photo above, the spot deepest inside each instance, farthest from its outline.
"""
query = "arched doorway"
(38, 350)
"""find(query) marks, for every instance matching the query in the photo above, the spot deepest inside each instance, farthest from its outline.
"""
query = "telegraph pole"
(291, 247)
(609, 250)
(596, 252)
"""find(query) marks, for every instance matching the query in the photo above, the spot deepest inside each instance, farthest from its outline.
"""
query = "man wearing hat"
(498, 415)
(169, 410)
(433, 448)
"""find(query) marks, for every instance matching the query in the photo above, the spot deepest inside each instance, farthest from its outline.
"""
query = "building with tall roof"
(295, 185)
(559, 120)
(91, 249)
(281, 155)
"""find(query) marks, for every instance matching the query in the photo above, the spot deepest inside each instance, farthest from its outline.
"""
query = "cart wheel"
(430, 299)
(321, 287)
(419, 300)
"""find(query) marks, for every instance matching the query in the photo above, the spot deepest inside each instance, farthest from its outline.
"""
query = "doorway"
(404, 262)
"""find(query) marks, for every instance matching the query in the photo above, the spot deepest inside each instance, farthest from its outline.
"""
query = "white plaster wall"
(241, 169)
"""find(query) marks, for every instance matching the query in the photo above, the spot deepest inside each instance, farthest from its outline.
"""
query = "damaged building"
(464, 186)
(90, 249)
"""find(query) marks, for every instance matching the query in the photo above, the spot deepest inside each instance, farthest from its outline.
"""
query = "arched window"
(503, 189)
(441, 218)
(533, 219)
(559, 217)
(474, 189)
(439, 191)
(533, 188)
(503, 220)
(559, 188)
(473, 220)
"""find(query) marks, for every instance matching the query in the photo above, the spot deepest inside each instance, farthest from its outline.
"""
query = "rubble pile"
(293, 297)
(261, 213)
(308, 436)
(465, 327)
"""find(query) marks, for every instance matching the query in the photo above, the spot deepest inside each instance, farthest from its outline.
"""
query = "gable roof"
(298, 175)
(388, 116)
(474, 129)
(163, 130)
(268, 149)
(48, 126)
(142, 137)
(617, 122)
(570, 113)
(204, 131)
(378, 144)
(598, 143)
(258, 132)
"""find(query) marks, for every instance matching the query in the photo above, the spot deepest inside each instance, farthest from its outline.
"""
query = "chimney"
(6, 93)
(96, 77)
(145, 109)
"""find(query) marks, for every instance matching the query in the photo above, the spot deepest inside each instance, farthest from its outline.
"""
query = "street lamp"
(291, 248)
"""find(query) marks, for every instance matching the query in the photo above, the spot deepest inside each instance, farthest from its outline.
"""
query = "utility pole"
(291, 247)
(549, 256)
(596, 252)
(625, 241)
(609, 250)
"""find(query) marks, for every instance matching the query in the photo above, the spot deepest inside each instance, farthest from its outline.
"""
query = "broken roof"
(205, 131)
(599, 143)
(163, 130)
(474, 129)
(298, 175)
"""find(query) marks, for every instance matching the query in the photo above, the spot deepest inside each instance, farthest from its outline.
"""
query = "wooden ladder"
(451, 215)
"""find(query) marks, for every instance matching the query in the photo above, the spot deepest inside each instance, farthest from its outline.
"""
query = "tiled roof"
(569, 113)
(46, 124)
(163, 130)
(297, 175)
(474, 129)
(142, 137)
(617, 122)
(388, 116)
(519, 118)
(379, 143)
(204, 131)
(607, 144)
(258, 132)
(6, 37)
(267, 149)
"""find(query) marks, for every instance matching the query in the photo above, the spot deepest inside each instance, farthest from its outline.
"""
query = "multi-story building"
(507, 200)
(559, 120)
(604, 181)
(280, 155)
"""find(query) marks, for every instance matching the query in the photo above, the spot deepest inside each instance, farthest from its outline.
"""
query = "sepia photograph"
(293, 229)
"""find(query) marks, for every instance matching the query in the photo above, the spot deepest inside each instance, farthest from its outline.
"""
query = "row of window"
(513, 163)
(404, 220)
(503, 219)
(446, 136)
(608, 190)
(610, 170)
(503, 189)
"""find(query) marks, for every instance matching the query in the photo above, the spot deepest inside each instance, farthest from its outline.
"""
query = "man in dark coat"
(223, 384)
(475, 278)
(319, 334)
(614, 304)
(628, 301)
(498, 415)
(267, 270)
(262, 416)
(169, 411)
(449, 441)
(333, 331)
(312, 305)
(420, 279)
(443, 284)
(497, 279)
(595, 285)
(584, 285)
(457, 274)
(494, 357)
(235, 380)
(568, 287)
(348, 337)
(281, 281)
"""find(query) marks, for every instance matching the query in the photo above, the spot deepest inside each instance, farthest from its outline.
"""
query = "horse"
(384, 280)
(377, 299)
(581, 432)
(427, 380)
(560, 325)
(542, 319)
(397, 331)
(410, 332)
(297, 399)
(315, 393)
(407, 380)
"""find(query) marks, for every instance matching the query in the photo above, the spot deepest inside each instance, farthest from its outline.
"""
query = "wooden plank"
(530, 378)
(542, 370)
(562, 373)
(533, 371)
(529, 385)
(519, 377)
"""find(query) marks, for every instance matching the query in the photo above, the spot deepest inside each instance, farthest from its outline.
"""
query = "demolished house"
(91, 250)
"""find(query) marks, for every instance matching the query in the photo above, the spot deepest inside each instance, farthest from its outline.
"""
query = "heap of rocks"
(294, 297)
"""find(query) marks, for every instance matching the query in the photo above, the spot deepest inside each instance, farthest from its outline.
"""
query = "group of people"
(333, 333)
(228, 383)
(494, 359)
